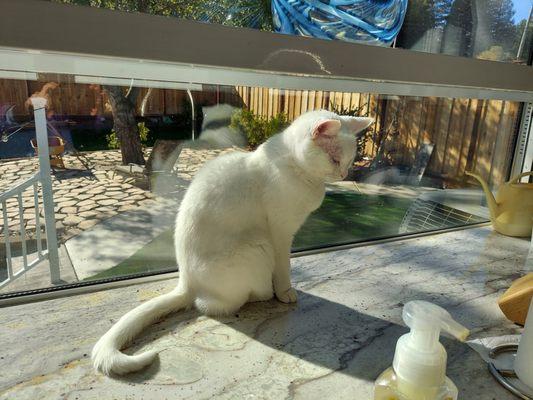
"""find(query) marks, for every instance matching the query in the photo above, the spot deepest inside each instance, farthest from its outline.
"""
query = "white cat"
(235, 227)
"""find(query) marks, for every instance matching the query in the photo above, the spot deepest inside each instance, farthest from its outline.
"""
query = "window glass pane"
(497, 30)
(116, 220)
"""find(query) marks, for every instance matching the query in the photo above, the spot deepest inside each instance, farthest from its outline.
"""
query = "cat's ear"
(357, 124)
(327, 128)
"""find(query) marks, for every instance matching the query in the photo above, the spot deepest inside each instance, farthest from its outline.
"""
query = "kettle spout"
(491, 201)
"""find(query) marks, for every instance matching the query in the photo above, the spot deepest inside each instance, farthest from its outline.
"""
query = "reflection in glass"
(363, 21)
(115, 216)
(498, 30)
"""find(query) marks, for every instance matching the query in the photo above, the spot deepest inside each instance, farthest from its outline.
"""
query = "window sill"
(338, 337)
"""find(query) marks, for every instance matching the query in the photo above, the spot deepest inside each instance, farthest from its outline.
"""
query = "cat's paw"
(287, 296)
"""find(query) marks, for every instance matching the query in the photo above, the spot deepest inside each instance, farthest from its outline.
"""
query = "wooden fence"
(74, 99)
(468, 134)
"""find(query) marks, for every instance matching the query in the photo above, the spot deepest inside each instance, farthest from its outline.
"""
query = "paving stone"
(87, 207)
(137, 197)
(103, 209)
(87, 214)
(112, 193)
(96, 190)
(72, 220)
(119, 196)
(89, 223)
(13, 223)
(86, 202)
(107, 202)
(69, 203)
(73, 232)
(69, 210)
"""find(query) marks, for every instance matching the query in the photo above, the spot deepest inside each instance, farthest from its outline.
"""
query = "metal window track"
(74, 289)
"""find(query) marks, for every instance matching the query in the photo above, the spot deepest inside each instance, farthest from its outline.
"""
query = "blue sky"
(522, 8)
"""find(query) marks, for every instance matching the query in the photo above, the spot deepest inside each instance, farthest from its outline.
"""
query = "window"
(497, 30)
(115, 221)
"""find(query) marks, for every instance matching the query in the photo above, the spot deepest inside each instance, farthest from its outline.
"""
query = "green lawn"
(349, 217)
(343, 217)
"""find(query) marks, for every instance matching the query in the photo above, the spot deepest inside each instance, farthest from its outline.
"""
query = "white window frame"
(90, 42)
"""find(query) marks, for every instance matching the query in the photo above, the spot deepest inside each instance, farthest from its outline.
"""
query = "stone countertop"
(332, 344)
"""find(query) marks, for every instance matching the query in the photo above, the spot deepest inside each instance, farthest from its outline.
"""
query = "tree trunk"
(124, 124)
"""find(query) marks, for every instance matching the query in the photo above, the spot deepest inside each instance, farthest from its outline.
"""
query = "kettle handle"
(517, 178)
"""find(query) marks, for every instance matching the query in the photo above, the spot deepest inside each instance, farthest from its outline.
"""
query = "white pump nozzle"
(420, 359)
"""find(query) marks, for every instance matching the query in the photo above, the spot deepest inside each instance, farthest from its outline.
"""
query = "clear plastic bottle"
(419, 367)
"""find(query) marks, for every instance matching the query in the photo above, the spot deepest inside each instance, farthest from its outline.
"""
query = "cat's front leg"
(281, 278)
(287, 296)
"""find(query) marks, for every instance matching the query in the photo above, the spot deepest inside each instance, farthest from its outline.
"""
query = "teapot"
(511, 212)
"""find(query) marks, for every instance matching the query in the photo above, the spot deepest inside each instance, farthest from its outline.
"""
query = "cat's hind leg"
(217, 306)
(244, 276)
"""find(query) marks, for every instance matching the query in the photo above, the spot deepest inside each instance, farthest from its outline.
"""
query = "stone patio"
(97, 205)
(88, 191)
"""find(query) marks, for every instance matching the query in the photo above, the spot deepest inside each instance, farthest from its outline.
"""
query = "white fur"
(236, 224)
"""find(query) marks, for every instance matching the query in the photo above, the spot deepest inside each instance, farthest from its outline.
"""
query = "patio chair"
(56, 147)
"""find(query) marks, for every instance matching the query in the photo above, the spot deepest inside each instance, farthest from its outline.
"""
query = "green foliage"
(421, 17)
(114, 143)
(495, 53)
(449, 26)
(112, 140)
(527, 32)
(256, 128)
(143, 132)
(239, 13)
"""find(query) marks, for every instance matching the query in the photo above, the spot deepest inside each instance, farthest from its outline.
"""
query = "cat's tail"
(106, 354)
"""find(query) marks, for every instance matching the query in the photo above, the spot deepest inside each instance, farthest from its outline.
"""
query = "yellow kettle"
(511, 212)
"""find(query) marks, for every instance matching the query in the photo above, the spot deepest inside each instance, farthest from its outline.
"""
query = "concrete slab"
(118, 238)
(39, 276)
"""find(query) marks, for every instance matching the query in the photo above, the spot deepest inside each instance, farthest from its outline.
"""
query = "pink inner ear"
(327, 128)
(330, 145)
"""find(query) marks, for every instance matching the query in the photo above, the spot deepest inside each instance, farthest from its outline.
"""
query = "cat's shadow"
(314, 330)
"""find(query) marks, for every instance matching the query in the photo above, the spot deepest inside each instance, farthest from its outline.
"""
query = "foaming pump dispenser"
(418, 371)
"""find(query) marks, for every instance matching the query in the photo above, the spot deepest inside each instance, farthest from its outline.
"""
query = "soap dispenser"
(418, 371)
